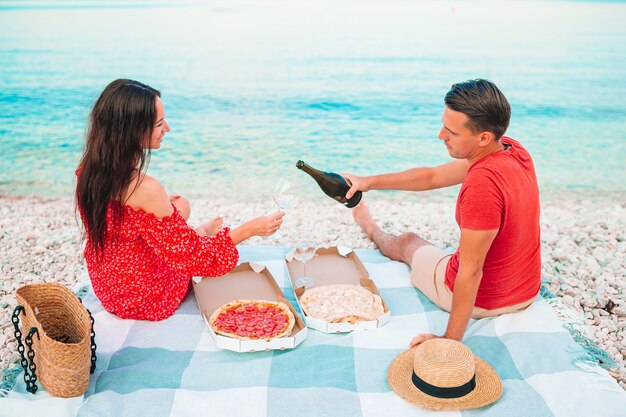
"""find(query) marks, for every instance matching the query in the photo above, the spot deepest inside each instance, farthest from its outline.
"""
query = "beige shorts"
(428, 274)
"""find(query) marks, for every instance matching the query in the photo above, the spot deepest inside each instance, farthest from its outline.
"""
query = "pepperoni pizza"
(253, 319)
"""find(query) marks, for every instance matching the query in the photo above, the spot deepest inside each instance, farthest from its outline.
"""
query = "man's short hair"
(483, 103)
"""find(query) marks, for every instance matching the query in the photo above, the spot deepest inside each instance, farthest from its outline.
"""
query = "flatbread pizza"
(342, 303)
(253, 320)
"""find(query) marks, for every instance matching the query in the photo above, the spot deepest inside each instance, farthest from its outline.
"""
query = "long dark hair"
(120, 125)
(483, 103)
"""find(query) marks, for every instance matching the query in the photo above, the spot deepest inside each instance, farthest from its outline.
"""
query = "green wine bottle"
(333, 185)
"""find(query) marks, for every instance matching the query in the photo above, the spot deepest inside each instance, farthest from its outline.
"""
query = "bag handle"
(94, 358)
(31, 356)
(93, 346)
(30, 378)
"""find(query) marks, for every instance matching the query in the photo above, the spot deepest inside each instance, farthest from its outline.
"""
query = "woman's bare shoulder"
(147, 193)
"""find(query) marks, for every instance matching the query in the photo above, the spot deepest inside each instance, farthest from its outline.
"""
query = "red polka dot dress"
(144, 272)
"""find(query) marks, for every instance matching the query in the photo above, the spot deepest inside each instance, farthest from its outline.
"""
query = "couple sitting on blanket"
(141, 253)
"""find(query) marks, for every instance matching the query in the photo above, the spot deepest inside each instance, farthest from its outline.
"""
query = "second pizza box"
(247, 281)
(335, 265)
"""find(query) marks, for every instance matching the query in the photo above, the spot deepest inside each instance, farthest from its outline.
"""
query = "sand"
(583, 248)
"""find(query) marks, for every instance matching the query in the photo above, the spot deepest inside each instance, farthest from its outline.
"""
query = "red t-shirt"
(501, 192)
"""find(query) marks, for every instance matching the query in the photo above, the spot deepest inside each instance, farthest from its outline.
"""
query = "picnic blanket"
(172, 367)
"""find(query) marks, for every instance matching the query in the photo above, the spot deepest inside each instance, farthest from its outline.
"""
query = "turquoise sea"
(249, 87)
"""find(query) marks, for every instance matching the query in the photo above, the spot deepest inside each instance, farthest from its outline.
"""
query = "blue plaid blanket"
(172, 368)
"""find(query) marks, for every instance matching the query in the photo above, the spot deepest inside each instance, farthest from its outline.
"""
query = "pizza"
(342, 303)
(253, 319)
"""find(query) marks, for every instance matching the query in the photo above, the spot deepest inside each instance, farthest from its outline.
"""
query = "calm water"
(350, 86)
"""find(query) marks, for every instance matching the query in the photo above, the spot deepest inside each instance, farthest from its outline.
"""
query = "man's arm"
(473, 248)
(414, 179)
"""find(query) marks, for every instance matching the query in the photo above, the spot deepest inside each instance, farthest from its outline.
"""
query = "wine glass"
(304, 252)
(286, 195)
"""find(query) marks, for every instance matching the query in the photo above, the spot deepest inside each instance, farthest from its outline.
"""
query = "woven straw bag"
(59, 336)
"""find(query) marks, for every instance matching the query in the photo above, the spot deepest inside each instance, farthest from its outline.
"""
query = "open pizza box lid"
(247, 281)
(335, 265)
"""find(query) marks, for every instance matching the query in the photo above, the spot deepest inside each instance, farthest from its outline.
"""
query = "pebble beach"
(583, 249)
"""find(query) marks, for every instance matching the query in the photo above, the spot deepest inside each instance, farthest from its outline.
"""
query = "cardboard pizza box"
(247, 281)
(335, 265)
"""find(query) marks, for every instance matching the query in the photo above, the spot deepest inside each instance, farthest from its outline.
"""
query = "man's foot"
(399, 248)
(364, 219)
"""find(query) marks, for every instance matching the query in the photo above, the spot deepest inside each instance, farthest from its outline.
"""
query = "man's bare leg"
(399, 248)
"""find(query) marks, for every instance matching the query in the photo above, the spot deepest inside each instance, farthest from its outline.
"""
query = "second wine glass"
(304, 252)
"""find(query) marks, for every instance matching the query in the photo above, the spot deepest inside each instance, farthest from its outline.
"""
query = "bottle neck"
(309, 169)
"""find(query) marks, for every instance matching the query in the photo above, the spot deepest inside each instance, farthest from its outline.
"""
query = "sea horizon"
(251, 87)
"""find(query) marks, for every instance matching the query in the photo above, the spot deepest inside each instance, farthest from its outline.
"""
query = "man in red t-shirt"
(497, 267)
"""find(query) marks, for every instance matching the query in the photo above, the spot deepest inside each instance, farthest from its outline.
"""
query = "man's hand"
(421, 338)
(356, 184)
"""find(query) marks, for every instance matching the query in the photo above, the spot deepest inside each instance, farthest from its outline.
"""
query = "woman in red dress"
(140, 251)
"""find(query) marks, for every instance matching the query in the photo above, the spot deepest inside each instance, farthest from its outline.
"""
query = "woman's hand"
(356, 184)
(266, 225)
(261, 226)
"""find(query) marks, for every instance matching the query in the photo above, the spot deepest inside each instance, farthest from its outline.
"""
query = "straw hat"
(443, 374)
